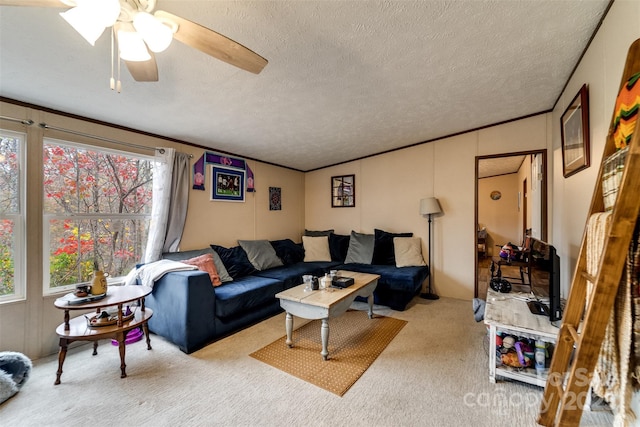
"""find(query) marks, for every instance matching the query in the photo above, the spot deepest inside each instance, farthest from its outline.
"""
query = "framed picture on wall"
(343, 191)
(575, 134)
(227, 184)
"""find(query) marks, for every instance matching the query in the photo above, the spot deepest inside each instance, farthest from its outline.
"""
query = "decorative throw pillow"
(383, 250)
(316, 248)
(205, 263)
(179, 256)
(235, 260)
(260, 253)
(338, 246)
(408, 252)
(288, 251)
(315, 233)
(360, 248)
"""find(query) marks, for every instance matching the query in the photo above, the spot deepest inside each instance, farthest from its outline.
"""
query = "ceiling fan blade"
(143, 71)
(214, 44)
(36, 3)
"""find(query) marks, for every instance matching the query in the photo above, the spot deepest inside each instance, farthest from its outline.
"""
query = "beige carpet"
(434, 373)
(355, 341)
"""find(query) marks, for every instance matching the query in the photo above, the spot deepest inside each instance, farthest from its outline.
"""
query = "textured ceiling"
(345, 79)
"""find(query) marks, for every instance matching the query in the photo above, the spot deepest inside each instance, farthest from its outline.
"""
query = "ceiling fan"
(138, 33)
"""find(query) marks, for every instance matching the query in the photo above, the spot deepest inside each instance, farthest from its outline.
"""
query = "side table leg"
(370, 301)
(61, 356)
(288, 324)
(324, 334)
(95, 348)
(121, 347)
(145, 328)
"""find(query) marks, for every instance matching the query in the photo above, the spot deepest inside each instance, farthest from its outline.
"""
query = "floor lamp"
(428, 207)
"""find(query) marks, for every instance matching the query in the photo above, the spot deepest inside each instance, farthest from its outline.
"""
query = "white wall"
(501, 217)
(601, 69)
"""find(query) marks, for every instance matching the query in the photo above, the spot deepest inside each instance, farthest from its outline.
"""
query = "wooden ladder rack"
(582, 331)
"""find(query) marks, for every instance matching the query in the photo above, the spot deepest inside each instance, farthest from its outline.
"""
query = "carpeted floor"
(433, 373)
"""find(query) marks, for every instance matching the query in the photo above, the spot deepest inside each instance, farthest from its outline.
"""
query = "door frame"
(544, 202)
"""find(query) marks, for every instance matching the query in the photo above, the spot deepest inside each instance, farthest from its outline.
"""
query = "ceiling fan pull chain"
(119, 84)
(112, 82)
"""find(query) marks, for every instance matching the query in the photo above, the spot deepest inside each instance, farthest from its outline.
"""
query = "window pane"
(116, 245)
(9, 175)
(78, 180)
(97, 207)
(7, 251)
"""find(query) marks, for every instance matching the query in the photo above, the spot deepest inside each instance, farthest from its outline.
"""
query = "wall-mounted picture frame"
(343, 191)
(275, 198)
(227, 184)
(574, 126)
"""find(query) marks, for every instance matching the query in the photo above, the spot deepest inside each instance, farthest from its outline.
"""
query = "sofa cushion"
(288, 251)
(408, 252)
(405, 279)
(360, 248)
(338, 246)
(220, 268)
(383, 249)
(244, 294)
(316, 248)
(205, 263)
(235, 260)
(260, 254)
(292, 274)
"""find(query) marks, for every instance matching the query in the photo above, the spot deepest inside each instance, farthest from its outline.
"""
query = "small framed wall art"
(343, 191)
(275, 198)
(574, 126)
(227, 184)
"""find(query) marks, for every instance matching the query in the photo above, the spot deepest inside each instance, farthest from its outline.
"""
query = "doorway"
(510, 200)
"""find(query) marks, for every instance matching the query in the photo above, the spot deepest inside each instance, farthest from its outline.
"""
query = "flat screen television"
(544, 274)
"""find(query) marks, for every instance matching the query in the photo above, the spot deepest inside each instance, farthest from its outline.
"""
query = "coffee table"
(79, 329)
(325, 304)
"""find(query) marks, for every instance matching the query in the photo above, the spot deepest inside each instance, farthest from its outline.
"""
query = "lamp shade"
(429, 206)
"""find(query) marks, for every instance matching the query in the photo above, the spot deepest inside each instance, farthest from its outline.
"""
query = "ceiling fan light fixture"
(84, 22)
(91, 17)
(132, 47)
(155, 33)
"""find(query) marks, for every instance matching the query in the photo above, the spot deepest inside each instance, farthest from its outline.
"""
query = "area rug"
(355, 341)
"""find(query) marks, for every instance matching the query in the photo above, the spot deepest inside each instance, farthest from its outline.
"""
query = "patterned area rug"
(355, 341)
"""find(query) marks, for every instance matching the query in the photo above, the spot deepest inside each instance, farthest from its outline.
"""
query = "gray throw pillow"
(260, 253)
(360, 248)
(181, 256)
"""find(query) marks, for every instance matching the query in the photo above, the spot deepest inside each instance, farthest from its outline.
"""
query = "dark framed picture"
(343, 191)
(227, 184)
(275, 198)
(574, 126)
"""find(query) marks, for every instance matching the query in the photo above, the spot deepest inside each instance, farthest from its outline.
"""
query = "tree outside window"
(11, 215)
(97, 206)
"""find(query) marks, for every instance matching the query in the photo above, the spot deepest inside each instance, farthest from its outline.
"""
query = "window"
(12, 238)
(97, 207)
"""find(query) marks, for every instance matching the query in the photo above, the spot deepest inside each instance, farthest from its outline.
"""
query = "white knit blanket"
(148, 274)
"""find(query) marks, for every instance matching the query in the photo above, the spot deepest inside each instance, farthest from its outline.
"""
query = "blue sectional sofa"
(190, 312)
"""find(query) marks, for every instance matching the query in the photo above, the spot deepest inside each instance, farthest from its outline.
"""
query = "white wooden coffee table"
(324, 304)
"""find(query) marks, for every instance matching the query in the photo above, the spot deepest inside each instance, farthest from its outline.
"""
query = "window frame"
(48, 217)
(19, 219)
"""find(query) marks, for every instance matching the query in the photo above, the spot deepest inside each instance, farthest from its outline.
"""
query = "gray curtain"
(178, 203)
(170, 176)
